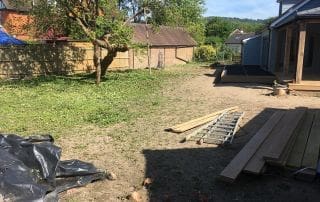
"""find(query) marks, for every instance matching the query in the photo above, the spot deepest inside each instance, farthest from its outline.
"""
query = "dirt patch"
(184, 171)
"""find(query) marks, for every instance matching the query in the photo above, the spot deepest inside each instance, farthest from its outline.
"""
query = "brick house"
(15, 19)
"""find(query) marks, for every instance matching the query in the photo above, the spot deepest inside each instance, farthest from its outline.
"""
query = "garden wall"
(77, 57)
(42, 59)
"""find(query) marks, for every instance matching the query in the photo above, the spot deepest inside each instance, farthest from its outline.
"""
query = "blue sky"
(254, 9)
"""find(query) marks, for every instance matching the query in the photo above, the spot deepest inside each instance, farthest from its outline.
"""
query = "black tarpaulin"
(31, 170)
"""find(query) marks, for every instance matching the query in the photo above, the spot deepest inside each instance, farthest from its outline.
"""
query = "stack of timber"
(199, 121)
(290, 139)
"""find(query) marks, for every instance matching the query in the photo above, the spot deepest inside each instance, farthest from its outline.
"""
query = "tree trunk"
(106, 61)
(97, 62)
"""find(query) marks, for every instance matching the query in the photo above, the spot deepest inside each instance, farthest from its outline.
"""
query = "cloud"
(255, 9)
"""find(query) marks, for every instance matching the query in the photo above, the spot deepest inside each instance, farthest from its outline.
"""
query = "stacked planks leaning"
(289, 139)
(199, 121)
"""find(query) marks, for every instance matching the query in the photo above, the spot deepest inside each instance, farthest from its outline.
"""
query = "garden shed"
(164, 45)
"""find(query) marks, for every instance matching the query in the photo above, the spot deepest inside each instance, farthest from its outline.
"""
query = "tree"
(182, 13)
(106, 22)
(217, 30)
(101, 22)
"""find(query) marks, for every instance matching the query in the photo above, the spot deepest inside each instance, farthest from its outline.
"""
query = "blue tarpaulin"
(6, 39)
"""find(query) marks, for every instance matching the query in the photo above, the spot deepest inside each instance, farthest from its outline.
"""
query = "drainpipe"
(269, 47)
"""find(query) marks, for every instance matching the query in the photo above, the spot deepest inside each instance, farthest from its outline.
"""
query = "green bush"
(205, 53)
(224, 53)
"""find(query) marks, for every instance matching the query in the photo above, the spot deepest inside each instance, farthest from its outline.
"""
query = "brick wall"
(16, 24)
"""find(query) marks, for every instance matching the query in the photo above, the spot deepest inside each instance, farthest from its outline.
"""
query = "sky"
(253, 9)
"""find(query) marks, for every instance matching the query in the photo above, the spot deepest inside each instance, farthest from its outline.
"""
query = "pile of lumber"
(290, 139)
(180, 128)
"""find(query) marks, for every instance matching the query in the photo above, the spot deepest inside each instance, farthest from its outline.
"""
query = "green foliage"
(196, 30)
(53, 104)
(205, 53)
(265, 24)
(181, 13)
(224, 53)
(213, 40)
(99, 20)
(218, 29)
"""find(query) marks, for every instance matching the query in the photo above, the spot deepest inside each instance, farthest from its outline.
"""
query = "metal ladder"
(220, 130)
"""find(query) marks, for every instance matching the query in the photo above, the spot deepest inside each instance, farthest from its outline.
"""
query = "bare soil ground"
(185, 171)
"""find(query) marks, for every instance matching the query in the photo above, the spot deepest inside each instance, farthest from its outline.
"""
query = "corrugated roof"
(162, 36)
(18, 5)
(237, 38)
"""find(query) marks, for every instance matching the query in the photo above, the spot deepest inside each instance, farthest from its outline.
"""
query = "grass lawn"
(55, 104)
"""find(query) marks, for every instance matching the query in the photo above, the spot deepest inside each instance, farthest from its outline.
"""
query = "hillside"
(219, 28)
(240, 20)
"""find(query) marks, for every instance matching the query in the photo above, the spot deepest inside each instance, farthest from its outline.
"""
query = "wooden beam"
(287, 52)
(312, 21)
(294, 117)
(311, 154)
(295, 158)
(283, 158)
(277, 50)
(302, 44)
(234, 168)
(257, 162)
(304, 87)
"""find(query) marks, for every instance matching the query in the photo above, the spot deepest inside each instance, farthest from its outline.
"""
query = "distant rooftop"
(238, 36)
(162, 36)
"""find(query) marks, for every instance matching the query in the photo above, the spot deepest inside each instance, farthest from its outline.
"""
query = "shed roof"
(304, 9)
(163, 36)
(237, 38)
(18, 5)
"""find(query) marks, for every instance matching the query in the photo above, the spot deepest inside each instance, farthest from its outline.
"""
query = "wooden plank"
(257, 162)
(293, 118)
(234, 168)
(302, 44)
(312, 21)
(305, 87)
(296, 155)
(282, 161)
(248, 79)
(311, 154)
(287, 52)
(199, 121)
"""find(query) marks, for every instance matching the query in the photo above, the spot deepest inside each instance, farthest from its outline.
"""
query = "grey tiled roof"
(310, 9)
(237, 38)
(304, 9)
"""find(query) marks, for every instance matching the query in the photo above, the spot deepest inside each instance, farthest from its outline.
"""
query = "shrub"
(224, 53)
(205, 53)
